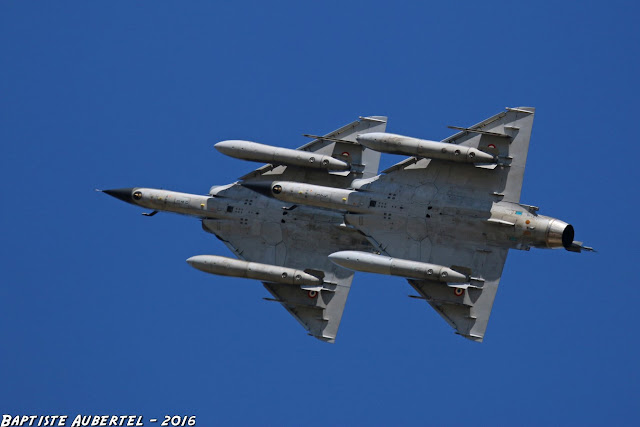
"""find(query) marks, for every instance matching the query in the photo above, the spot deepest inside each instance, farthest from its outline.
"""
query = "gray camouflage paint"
(453, 215)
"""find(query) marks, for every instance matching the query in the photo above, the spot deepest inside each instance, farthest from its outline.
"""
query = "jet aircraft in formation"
(444, 218)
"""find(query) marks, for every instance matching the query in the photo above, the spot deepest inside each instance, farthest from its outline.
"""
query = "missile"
(224, 266)
(255, 152)
(380, 264)
(398, 144)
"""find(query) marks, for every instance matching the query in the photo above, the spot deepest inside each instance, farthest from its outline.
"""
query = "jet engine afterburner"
(555, 234)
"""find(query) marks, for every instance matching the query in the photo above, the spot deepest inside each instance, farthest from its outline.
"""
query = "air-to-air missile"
(398, 144)
(224, 266)
(379, 264)
(252, 151)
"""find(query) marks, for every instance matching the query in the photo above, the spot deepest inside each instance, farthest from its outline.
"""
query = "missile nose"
(124, 194)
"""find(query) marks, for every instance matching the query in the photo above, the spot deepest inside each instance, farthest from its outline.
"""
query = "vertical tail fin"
(505, 135)
(511, 145)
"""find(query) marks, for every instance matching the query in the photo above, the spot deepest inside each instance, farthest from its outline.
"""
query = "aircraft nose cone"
(124, 194)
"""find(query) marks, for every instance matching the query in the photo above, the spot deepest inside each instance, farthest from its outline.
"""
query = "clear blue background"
(100, 314)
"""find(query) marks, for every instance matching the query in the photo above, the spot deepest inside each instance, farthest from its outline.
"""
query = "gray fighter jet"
(444, 218)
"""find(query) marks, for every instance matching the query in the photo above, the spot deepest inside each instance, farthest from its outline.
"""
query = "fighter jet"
(444, 218)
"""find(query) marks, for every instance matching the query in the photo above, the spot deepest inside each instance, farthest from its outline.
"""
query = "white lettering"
(80, 421)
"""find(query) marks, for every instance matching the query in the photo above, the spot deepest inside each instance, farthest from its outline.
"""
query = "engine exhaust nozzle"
(559, 233)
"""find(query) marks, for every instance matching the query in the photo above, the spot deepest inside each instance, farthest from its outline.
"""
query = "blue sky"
(101, 314)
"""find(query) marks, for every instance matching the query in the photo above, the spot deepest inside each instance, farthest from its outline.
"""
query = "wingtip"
(530, 110)
(323, 338)
(379, 119)
(471, 337)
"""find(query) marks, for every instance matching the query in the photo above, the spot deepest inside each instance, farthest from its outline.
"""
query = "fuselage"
(503, 224)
